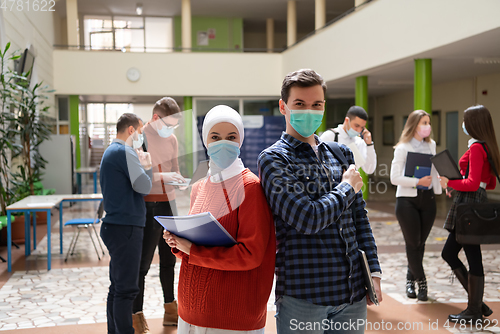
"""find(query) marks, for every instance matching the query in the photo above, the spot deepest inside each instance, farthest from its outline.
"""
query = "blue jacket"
(124, 182)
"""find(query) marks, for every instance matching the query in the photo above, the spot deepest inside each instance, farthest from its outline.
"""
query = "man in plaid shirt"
(320, 285)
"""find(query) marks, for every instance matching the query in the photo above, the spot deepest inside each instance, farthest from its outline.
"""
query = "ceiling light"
(487, 60)
(138, 9)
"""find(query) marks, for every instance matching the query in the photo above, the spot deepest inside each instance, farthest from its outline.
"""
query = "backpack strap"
(337, 153)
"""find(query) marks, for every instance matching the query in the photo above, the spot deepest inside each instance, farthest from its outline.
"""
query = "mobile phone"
(362, 130)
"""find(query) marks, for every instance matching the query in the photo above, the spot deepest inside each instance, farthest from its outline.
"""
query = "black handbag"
(478, 223)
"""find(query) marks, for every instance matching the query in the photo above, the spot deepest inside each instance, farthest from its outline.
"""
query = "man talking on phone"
(353, 133)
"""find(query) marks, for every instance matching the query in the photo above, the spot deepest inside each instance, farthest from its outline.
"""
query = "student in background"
(472, 189)
(353, 132)
(415, 208)
(125, 177)
(161, 143)
(227, 289)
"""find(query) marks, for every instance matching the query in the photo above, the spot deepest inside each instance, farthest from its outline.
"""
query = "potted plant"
(22, 109)
(32, 131)
(10, 91)
(8, 101)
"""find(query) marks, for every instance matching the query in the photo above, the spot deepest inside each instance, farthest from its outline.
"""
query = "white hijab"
(221, 114)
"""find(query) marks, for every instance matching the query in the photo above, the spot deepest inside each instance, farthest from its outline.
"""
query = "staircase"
(96, 156)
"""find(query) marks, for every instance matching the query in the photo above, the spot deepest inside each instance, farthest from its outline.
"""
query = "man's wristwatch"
(369, 144)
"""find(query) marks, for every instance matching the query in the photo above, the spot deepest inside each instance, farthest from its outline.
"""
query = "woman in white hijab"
(227, 289)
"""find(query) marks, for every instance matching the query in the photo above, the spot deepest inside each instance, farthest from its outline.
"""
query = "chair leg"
(70, 246)
(16, 245)
(77, 236)
(3, 260)
(93, 243)
(98, 240)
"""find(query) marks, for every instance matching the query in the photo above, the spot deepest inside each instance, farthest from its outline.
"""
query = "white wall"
(144, 111)
(172, 74)
(3, 40)
(25, 28)
(369, 39)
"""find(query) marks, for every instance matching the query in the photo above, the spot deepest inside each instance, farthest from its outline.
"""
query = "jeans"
(124, 243)
(416, 216)
(186, 328)
(153, 235)
(299, 316)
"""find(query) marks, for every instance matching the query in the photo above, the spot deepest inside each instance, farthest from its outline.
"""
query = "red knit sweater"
(229, 287)
(479, 170)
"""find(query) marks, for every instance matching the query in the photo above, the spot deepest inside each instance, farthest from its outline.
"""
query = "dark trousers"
(153, 235)
(472, 252)
(416, 216)
(124, 243)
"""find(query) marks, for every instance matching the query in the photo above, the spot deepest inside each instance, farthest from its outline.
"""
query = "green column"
(322, 127)
(74, 125)
(188, 133)
(361, 100)
(423, 85)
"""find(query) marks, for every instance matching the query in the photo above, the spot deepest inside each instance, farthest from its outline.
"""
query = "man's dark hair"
(356, 111)
(301, 78)
(167, 107)
(126, 120)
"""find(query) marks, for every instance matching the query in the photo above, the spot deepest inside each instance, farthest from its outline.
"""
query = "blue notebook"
(414, 159)
(201, 229)
(420, 172)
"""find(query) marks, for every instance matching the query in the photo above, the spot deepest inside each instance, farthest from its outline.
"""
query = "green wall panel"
(228, 33)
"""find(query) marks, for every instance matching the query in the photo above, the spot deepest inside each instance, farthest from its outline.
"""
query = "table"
(44, 203)
(86, 170)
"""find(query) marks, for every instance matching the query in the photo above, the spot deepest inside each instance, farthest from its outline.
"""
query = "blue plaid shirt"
(317, 257)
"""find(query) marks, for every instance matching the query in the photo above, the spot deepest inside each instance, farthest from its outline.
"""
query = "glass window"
(95, 112)
(98, 32)
(129, 40)
(111, 134)
(97, 134)
(128, 22)
(63, 105)
(101, 40)
(115, 110)
(82, 114)
(159, 34)
(128, 33)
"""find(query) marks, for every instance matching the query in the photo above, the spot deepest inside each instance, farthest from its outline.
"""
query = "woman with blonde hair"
(415, 208)
(479, 175)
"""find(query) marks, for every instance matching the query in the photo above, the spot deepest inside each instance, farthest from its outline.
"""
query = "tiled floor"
(71, 297)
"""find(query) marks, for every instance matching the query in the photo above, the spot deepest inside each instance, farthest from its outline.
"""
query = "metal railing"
(144, 49)
(163, 50)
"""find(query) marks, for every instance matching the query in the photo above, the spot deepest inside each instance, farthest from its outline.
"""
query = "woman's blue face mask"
(305, 121)
(223, 152)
